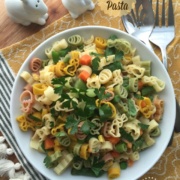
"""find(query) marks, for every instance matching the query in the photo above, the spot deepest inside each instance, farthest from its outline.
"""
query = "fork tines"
(170, 21)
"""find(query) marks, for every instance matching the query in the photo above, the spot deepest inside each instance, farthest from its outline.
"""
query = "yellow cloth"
(168, 167)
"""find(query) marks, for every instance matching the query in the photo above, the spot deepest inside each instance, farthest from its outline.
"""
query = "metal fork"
(140, 21)
(163, 34)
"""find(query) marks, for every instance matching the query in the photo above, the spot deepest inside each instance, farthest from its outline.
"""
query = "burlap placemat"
(168, 166)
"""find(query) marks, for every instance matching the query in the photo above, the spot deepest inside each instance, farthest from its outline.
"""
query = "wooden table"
(11, 32)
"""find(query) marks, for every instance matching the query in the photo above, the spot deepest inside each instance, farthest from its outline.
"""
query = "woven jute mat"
(168, 166)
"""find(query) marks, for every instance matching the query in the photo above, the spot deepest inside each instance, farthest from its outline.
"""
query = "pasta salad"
(92, 105)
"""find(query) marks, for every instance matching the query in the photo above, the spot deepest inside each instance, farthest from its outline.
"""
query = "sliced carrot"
(129, 144)
(85, 60)
(49, 143)
(143, 104)
(84, 75)
(140, 85)
(130, 162)
(113, 140)
(115, 154)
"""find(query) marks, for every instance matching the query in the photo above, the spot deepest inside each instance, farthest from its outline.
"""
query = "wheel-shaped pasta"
(58, 45)
(133, 128)
(105, 75)
(59, 69)
(135, 70)
(134, 155)
(104, 61)
(93, 82)
(75, 40)
(64, 139)
(100, 42)
(133, 84)
(59, 106)
(64, 162)
(41, 134)
(159, 104)
(35, 64)
(89, 41)
(89, 48)
(84, 68)
(98, 125)
(157, 84)
(121, 91)
(46, 76)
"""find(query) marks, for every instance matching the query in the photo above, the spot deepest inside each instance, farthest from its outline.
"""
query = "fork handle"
(148, 44)
(164, 56)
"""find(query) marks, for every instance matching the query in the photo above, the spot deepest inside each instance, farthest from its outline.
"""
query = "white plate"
(148, 157)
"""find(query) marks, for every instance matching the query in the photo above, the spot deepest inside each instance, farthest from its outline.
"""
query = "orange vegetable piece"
(84, 75)
(140, 85)
(143, 104)
(130, 162)
(129, 144)
(115, 154)
(113, 140)
(85, 60)
(49, 143)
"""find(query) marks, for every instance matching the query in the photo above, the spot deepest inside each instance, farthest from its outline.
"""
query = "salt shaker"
(78, 7)
(26, 12)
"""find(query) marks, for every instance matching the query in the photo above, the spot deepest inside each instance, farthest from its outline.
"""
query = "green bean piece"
(90, 92)
(63, 52)
(55, 57)
(121, 147)
(79, 84)
(66, 58)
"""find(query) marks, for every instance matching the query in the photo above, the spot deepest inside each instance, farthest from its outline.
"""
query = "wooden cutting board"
(11, 32)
